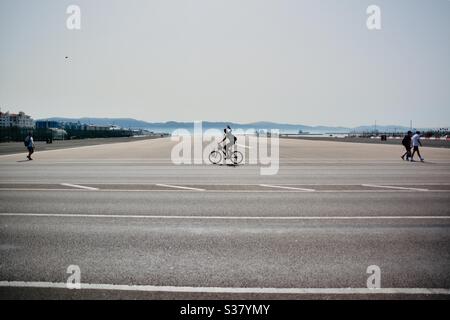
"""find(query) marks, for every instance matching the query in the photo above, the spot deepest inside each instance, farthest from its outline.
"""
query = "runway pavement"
(139, 226)
(18, 147)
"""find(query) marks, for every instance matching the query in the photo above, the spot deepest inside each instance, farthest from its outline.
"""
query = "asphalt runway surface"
(426, 142)
(140, 227)
(18, 147)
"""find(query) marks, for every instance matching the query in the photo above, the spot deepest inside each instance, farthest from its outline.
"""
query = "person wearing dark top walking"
(406, 142)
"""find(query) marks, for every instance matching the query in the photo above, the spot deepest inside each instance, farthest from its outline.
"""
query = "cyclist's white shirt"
(230, 137)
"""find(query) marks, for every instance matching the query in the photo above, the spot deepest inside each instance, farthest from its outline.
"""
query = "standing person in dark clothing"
(406, 142)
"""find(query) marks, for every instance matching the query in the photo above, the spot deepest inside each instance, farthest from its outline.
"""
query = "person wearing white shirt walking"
(29, 143)
(416, 143)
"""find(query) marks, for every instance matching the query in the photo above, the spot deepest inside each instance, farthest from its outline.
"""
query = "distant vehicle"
(58, 134)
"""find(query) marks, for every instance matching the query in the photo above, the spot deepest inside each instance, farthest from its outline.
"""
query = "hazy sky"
(308, 62)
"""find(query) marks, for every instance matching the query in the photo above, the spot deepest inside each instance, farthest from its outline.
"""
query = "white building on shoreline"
(20, 120)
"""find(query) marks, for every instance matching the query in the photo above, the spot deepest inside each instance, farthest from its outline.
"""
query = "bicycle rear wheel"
(215, 157)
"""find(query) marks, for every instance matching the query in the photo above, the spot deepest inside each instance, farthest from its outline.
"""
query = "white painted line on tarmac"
(213, 191)
(393, 187)
(143, 216)
(206, 183)
(78, 186)
(286, 187)
(185, 289)
(178, 187)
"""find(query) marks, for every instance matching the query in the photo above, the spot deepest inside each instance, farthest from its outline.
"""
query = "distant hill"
(172, 125)
(261, 125)
(122, 122)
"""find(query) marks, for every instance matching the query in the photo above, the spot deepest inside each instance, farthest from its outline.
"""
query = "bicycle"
(216, 156)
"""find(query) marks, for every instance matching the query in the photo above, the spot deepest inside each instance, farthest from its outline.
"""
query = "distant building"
(51, 124)
(20, 120)
(73, 126)
(48, 124)
(89, 127)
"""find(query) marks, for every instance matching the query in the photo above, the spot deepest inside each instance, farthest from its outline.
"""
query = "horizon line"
(246, 123)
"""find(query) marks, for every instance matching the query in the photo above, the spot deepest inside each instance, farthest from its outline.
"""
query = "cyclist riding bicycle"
(225, 152)
(231, 141)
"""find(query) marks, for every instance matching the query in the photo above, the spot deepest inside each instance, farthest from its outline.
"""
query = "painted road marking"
(205, 183)
(216, 191)
(82, 215)
(286, 187)
(78, 186)
(227, 187)
(393, 187)
(178, 187)
(149, 288)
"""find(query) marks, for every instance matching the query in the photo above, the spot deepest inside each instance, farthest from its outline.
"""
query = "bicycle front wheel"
(237, 157)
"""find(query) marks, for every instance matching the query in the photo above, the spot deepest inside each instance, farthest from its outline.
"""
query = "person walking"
(416, 143)
(29, 143)
(406, 142)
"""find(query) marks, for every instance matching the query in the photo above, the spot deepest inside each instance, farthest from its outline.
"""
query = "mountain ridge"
(258, 125)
